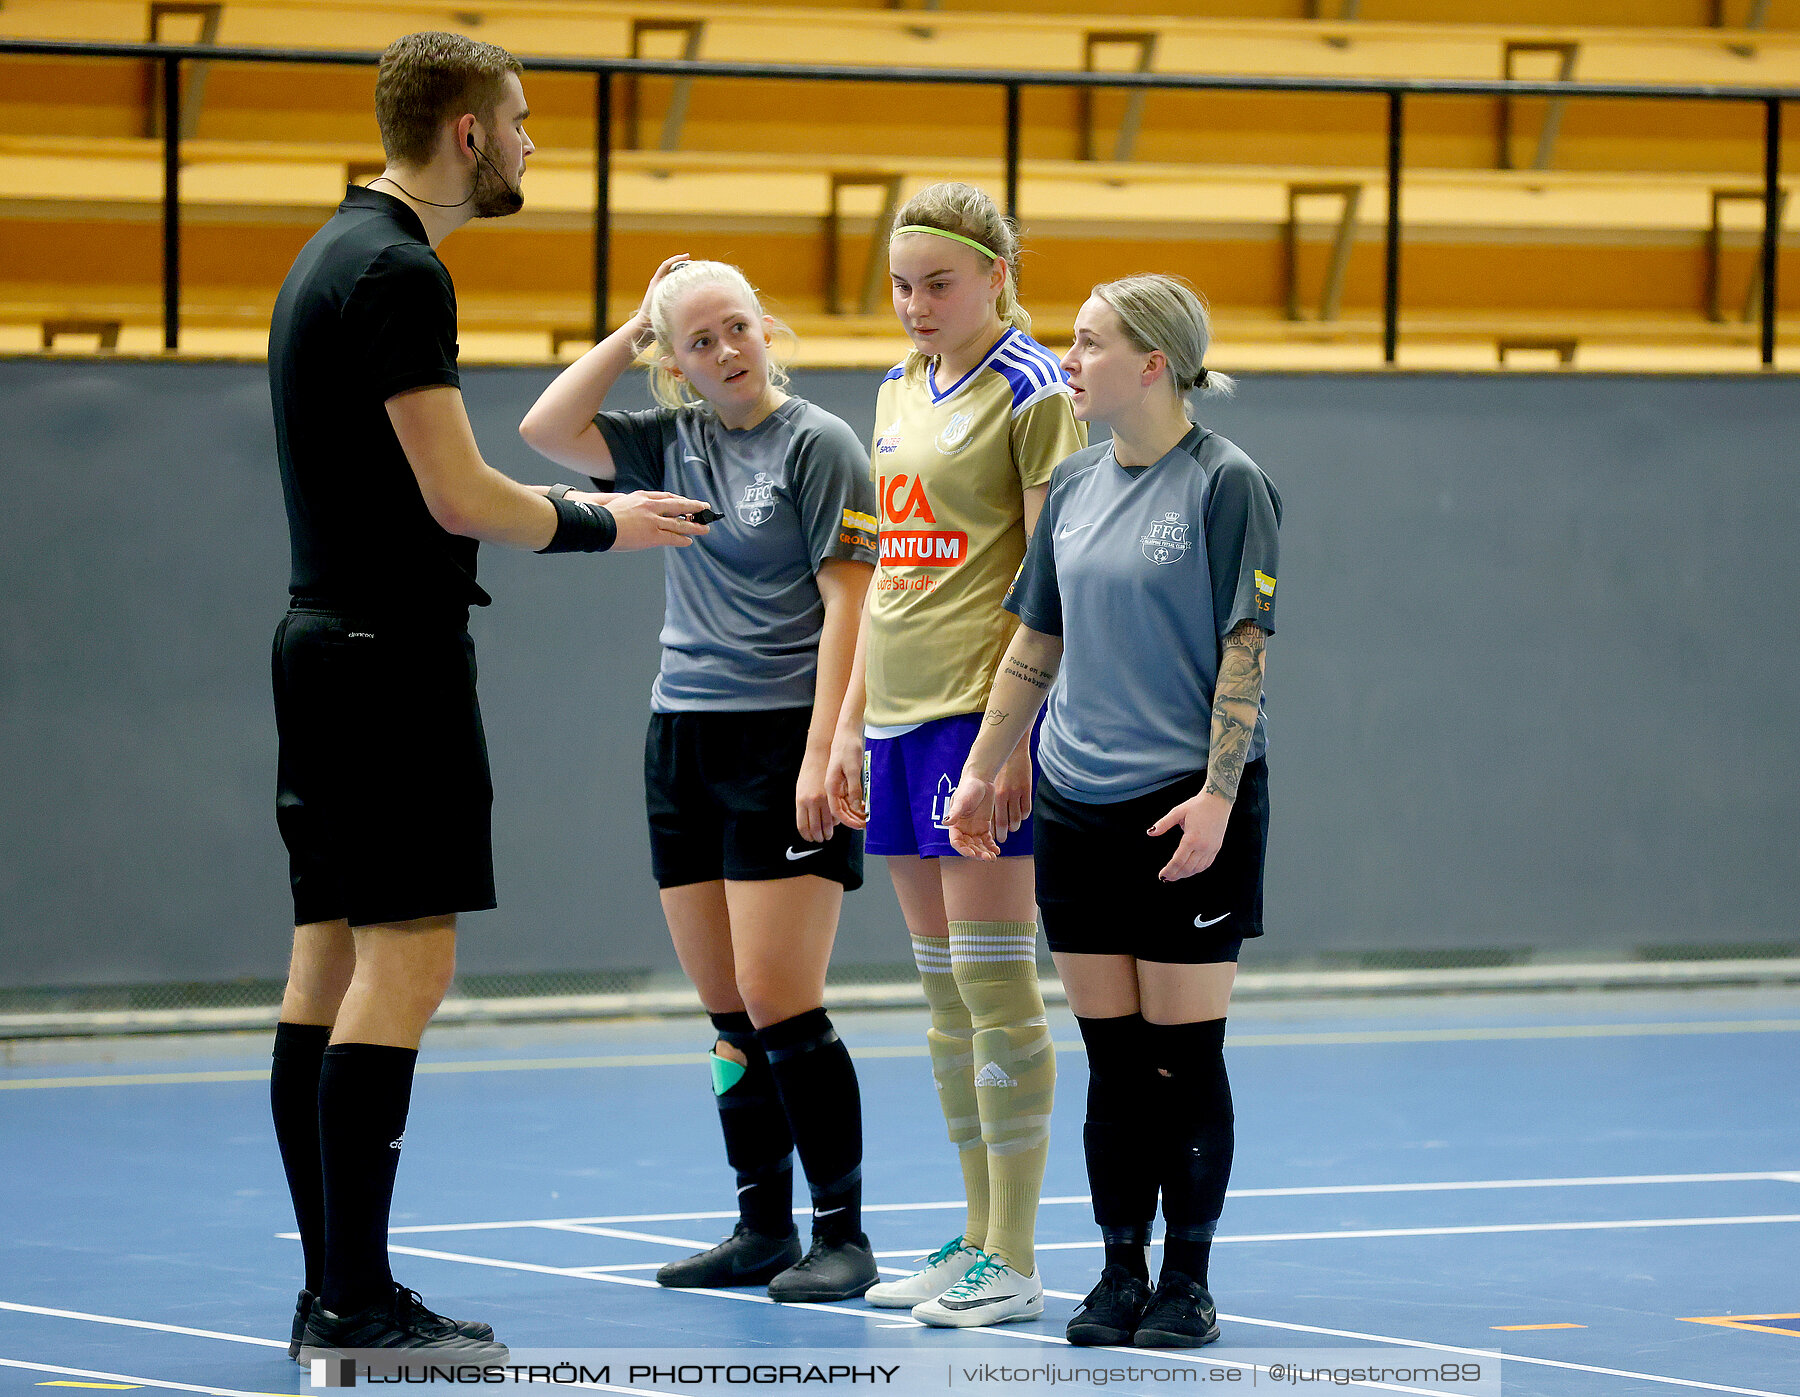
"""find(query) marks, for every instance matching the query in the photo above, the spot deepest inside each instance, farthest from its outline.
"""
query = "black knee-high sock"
(1195, 1103)
(758, 1143)
(294, 1102)
(817, 1082)
(364, 1092)
(1120, 1136)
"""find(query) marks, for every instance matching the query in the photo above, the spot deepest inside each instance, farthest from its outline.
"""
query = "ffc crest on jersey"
(1166, 540)
(758, 503)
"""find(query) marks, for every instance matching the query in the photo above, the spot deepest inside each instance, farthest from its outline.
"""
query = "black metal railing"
(1012, 82)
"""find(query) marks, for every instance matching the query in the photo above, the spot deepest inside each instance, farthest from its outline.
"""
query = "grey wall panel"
(1535, 674)
(1532, 684)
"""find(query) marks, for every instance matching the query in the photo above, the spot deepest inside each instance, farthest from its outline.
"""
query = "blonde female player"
(968, 430)
(1150, 588)
(759, 635)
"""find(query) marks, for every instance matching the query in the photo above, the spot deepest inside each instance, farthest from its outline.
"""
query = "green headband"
(986, 252)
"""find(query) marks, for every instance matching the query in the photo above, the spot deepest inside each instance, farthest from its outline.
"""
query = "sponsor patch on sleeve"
(1264, 583)
(856, 519)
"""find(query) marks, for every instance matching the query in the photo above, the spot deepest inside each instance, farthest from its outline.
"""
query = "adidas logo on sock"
(396, 1144)
(993, 1075)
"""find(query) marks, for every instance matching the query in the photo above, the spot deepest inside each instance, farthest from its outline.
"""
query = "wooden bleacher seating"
(1272, 204)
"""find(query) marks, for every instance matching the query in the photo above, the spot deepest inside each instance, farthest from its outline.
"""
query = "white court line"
(240, 1392)
(626, 1266)
(1504, 1357)
(1469, 1231)
(1784, 1176)
(1788, 1176)
(887, 1319)
(141, 1324)
(134, 1381)
(587, 1230)
(202, 1334)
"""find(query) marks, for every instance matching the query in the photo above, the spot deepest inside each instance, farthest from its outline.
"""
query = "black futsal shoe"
(413, 1308)
(302, 1308)
(746, 1257)
(1112, 1311)
(401, 1330)
(409, 1303)
(1181, 1315)
(840, 1270)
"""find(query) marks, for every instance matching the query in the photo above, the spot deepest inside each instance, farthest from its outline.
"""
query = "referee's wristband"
(581, 527)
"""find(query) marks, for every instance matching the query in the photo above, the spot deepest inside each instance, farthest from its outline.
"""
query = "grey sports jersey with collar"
(742, 611)
(1143, 573)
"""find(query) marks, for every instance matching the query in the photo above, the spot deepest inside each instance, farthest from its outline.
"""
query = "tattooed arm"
(1020, 687)
(1236, 696)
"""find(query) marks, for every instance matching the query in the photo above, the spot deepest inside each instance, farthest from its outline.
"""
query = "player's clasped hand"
(844, 781)
(1202, 822)
(813, 816)
(654, 519)
(970, 819)
(1012, 793)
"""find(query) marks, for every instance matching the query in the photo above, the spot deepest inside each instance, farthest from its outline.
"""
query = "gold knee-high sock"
(953, 1068)
(995, 965)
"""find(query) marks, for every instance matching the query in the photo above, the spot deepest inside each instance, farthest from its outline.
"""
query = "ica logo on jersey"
(1166, 540)
(903, 499)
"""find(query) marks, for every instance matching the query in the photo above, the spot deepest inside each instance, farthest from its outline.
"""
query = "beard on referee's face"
(494, 197)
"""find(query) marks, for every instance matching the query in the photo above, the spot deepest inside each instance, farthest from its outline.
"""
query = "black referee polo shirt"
(367, 312)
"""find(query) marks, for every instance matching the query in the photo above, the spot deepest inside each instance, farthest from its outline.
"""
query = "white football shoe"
(990, 1292)
(938, 1272)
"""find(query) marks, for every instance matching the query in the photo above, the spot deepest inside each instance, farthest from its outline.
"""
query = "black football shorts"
(383, 793)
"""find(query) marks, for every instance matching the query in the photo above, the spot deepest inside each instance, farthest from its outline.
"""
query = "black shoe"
(1181, 1315)
(1112, 1311)
(829, 1271)
(302, 1308)
(401, 1326)
(412, 1307)
(746, 1257)
(410, 1304)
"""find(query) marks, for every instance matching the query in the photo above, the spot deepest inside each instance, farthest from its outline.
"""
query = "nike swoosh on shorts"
(1214, 922)
(804, 853)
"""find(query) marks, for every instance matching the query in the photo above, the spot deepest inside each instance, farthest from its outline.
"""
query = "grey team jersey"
(742, 611)
(1143, 573)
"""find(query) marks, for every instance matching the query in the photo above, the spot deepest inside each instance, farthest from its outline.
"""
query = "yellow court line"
(1521, 1328)
(1522, 1033)
(1743, 1322)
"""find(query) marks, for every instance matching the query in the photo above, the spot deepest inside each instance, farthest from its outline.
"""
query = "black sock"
(1119, 1137)
(758, 1143)
(294, 1102)
(1188, 1249)
(1128, 1247)
(1195, 1103)
(364, 1092)
(817, 1082)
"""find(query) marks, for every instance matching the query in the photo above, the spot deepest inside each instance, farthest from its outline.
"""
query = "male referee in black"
(384, 795)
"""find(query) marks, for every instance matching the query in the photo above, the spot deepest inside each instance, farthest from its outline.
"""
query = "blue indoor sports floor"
(1604, 1186)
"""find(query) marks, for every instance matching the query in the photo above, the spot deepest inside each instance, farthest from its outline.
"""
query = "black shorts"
(383, 794)
(719, 788)
(1097, 883)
